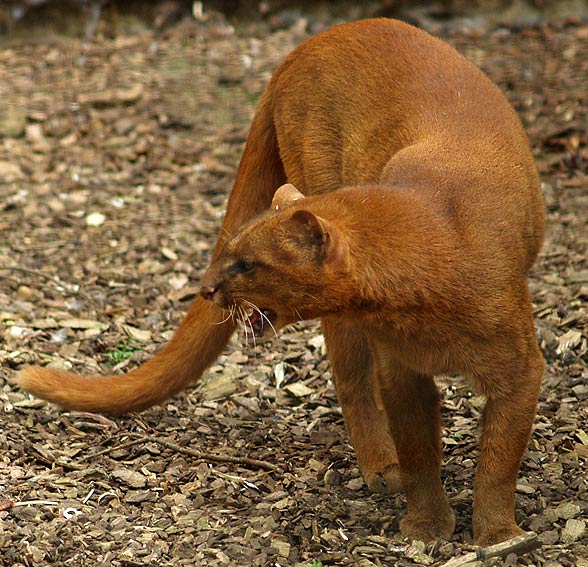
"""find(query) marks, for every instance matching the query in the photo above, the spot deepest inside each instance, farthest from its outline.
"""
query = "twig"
(40, 246)
(109, 450)
(102, 421)
(518, 545)
(253, 463)
(6, 505)
(35, 503)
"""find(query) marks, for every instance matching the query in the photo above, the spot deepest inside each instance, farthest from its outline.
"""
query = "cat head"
(288, 264)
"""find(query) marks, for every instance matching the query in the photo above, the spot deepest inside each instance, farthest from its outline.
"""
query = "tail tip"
(27, 376)
(35, 379)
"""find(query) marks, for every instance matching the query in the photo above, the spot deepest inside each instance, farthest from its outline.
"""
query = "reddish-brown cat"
(410, 220)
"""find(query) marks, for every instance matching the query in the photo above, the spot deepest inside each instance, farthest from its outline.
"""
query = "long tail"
(201, 336)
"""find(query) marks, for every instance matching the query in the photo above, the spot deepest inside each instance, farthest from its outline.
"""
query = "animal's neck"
(401, 248)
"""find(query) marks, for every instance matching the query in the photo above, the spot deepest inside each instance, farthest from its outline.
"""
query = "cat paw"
(428, 529)
(497, 534)
(386, 481)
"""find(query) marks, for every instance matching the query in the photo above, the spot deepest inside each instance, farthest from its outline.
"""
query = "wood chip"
(130, 477)
(573, 530)
(299, 390)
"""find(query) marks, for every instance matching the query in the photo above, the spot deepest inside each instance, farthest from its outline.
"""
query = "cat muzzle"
(208, 291)
(259, 320)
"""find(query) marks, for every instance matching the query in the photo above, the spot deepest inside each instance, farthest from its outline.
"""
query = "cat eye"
(241, 267)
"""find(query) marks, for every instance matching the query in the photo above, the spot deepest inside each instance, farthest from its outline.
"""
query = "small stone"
(24, 292)
(95, 219)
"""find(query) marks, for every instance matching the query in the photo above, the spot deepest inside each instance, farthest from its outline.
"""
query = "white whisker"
(243, 320)
(262, 315)
(229, 316)
(247, 320)
(269, 323)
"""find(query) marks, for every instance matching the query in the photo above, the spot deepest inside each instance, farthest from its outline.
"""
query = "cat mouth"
(259, 320)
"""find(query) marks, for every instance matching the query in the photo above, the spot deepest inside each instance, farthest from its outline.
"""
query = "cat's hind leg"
(365, 418)
(511, 386)
(413, 406)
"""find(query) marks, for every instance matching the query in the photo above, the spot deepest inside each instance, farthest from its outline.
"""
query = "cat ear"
(307, 227)
(319, 235)
(285, 195)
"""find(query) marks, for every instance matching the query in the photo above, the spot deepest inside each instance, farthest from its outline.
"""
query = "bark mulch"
(116, 156)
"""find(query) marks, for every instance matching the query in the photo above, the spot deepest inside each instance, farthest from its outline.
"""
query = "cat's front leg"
(365, 419)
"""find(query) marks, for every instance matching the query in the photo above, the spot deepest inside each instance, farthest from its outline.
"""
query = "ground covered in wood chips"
(116, 156)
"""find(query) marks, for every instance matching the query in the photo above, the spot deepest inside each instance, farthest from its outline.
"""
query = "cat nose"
(208, 291)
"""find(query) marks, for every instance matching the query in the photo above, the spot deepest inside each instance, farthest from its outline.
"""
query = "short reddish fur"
(424, 187)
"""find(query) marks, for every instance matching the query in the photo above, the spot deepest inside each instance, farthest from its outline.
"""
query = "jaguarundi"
(387, 187)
